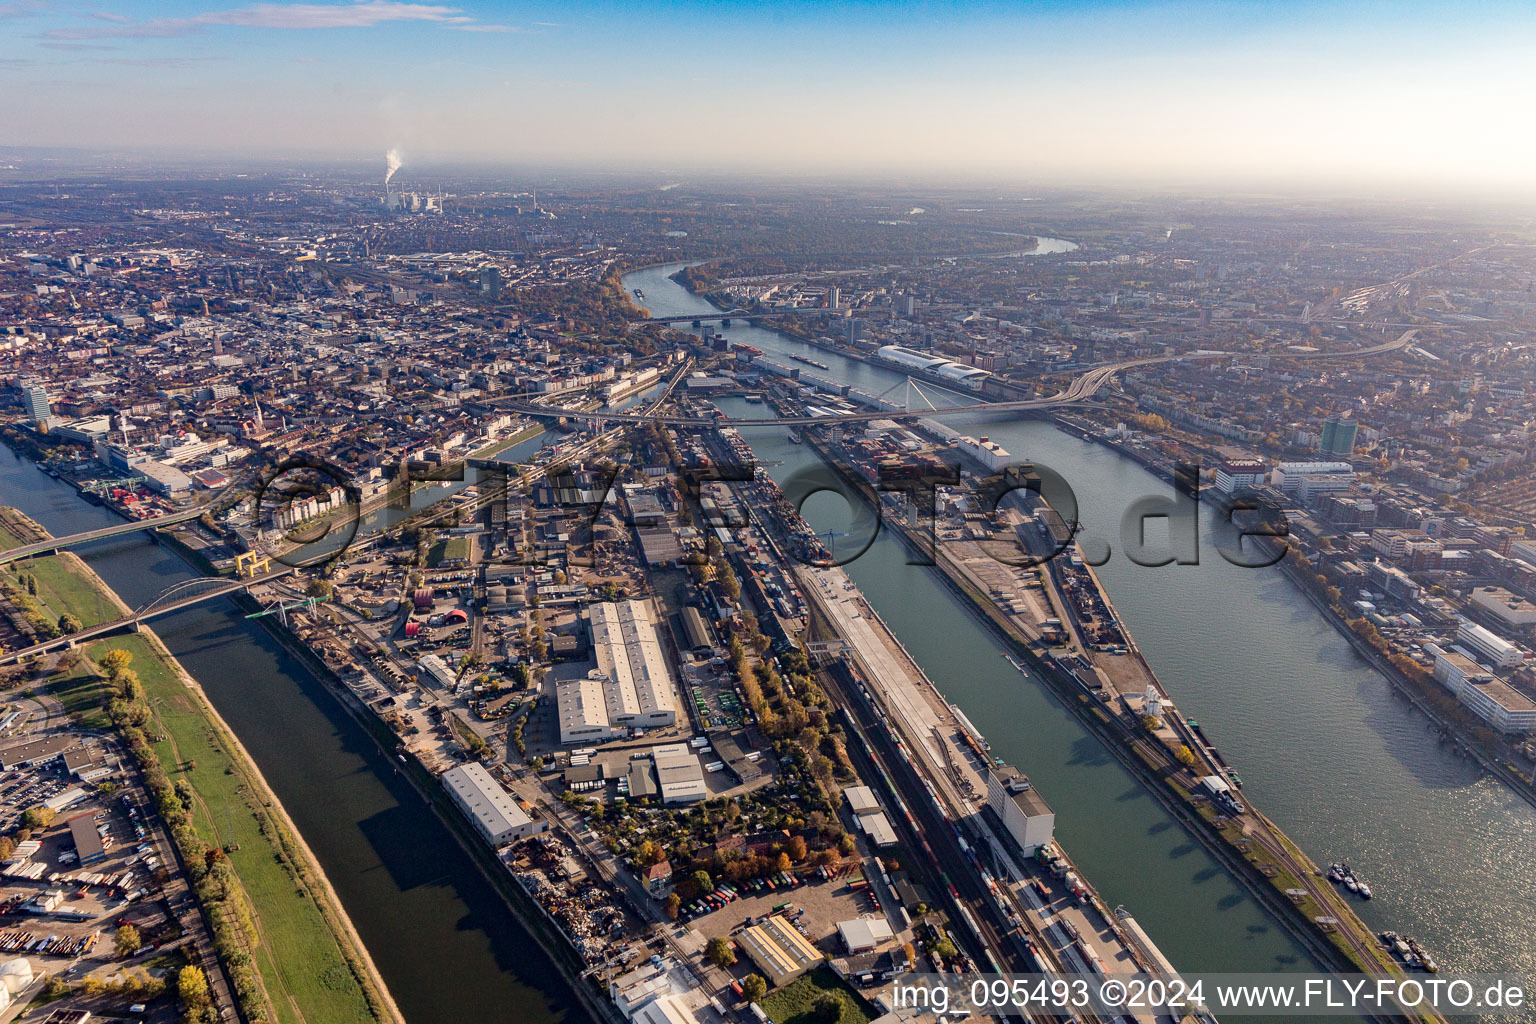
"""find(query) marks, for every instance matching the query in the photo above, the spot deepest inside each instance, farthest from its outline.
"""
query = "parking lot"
(85, 861)
(815, 905)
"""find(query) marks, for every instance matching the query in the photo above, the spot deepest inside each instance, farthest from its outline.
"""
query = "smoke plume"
(391, 164)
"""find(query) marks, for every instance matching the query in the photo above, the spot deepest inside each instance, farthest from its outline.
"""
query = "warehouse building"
(778, 950)
(631, 687)
(865, 934)
(1026, 815)
(679, 774)
(491, 809)
(88, 844)
(583, 710)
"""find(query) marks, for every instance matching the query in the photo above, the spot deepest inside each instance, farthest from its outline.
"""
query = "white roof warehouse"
(491, 809)
(631, 686)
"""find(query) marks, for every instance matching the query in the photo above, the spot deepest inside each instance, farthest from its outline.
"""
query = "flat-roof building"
(36, 751)
(1510, 610)
(491, 809)
(162, 478)
(88, 844)
(679, 774)
(583, 711)
(1488, 645)
(863, 934)
(878, 828)
(861, 800)
(1026, 815)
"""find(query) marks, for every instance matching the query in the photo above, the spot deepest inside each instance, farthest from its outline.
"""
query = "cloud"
(364, 14)
(485, 28)
(72, 47)
(173, 63)
(21, 9)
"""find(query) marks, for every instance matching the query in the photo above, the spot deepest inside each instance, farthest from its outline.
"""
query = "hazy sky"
(1401, 93)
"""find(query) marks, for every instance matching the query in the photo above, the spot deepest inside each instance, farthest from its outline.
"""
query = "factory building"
(491, 809)
(1488, 646)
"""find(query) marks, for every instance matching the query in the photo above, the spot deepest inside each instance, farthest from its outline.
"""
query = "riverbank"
(1245, 861)
(527, 911)
(495, 448)
(1421, 694)
(1409, 689)
(312, 965)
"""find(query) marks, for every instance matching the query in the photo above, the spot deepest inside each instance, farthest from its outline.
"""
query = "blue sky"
(1400, 93)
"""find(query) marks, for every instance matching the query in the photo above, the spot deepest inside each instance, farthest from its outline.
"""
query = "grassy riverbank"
(311, 967)
(497, 447)
(310, 974)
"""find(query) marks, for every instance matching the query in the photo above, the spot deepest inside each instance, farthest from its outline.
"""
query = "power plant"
(409, 202)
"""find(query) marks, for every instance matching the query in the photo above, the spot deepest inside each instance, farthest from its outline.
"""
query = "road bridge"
(54, 544)
(738, 314)
(172, 599)
(1082, 388)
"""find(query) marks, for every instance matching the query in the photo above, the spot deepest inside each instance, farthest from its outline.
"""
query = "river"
(446, 945)
(1324, 747)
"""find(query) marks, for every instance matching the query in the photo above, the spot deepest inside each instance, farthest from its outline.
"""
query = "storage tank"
(16, 975)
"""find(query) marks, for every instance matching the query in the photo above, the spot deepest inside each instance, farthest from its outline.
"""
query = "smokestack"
(391, 165)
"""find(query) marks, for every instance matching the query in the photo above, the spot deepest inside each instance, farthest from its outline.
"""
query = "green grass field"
(83, 693)
(792, 1003)
(298, 954)
(446, 548)
(300, 960)
(60, 589)
(497, 447)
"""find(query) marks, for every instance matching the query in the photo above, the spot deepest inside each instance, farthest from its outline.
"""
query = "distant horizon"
(1425, 96)
(21, 164)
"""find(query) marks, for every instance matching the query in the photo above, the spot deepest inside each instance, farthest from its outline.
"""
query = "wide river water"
(1324, 747)
(447, 946)
(1347, 769)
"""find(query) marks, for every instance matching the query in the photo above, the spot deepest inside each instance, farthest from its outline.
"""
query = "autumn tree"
(192, 987)
(115, 660)
(719, 952)
(127, 940)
